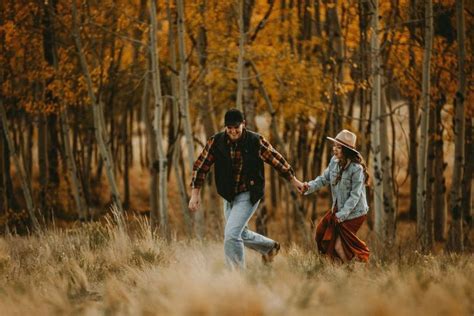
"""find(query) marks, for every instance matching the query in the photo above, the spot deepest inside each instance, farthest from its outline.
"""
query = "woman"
(347, 176)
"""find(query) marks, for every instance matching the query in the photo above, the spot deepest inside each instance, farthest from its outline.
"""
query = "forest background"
(104, 105)
(108, 103)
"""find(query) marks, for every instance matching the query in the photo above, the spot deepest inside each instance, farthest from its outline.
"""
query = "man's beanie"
(233, 117)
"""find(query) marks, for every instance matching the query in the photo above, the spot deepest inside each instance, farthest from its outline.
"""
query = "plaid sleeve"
(269, 155)
(203, 164)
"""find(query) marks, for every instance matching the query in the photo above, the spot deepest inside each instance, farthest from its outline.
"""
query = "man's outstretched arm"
(271, 156)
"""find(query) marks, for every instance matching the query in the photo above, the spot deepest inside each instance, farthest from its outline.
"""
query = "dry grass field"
(99, 269)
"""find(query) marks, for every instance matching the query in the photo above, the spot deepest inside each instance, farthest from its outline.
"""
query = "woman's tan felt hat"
(345, 138)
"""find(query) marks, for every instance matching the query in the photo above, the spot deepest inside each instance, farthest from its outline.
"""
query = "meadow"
(104, 269)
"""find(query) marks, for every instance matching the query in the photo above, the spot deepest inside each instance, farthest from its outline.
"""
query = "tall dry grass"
(99, 269)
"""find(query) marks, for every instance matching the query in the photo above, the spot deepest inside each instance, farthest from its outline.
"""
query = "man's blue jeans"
(237, 215)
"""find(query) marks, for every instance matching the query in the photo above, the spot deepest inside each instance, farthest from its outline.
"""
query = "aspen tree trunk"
(126, 144)
(245, 90)
(77, 189)
(97, 114)
(138, 33)
(88, 148)
(439, 193)
(413, 158)
(184, 106)
(249, 100)
(25, 181)
(468, 182)
(335, 49)
(455, 236)
(43, 126)
(364, 97)
(430, 189)
(176, 151)
(52, 145)
(12, 202)
(304, 7)
(375, 124)
(183, 84)
(207, 113)
(317, 162)
(421, 219)
(412, 117)
(152, 158)
(240, 62)
(42, 161)
(389, 212)
(53, 150)
(363, 63)
(26, 152)
(157, 126)
(214, 201)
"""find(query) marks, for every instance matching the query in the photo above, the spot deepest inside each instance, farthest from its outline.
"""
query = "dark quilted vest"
(252, 170)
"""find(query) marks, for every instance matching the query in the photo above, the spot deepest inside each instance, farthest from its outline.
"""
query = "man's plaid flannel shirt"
(267, 153)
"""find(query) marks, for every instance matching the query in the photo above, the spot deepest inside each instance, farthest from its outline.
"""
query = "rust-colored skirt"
(329, 229)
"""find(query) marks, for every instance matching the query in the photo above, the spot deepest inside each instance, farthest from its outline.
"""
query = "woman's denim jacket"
(348, 193)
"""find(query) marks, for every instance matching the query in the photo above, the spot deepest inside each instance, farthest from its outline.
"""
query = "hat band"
(345, 144)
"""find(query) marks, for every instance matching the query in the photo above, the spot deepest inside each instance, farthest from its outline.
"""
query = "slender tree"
(375, 140)
(439, 195)
(184, 101)
(157, 125)
(97, 113)
(241, 61)
(176, 152)
(421, 217)
(412, 118)
(455, 236)
(24, 179)
(183, 84)
(389, 212)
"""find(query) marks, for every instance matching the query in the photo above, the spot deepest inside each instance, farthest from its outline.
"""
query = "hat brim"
(342, 144)
(233, 123)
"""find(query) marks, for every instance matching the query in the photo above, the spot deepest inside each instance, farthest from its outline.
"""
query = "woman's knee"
(338, 245)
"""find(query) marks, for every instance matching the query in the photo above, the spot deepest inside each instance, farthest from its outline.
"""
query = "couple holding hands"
(238, 156)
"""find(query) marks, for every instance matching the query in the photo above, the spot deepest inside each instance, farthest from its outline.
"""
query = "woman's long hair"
(352, 156)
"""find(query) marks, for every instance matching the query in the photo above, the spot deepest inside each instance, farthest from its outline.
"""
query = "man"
(238, 155)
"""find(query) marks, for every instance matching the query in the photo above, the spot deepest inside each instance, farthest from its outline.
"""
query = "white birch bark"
(175, 109)
(96, 111)
(389, 212)
(423, 135)
(455, 237)
(240, 62)
(183, 84)
(157, 125)
(376, 160)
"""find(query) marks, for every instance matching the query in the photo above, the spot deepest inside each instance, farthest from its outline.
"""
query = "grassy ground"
(98, 269)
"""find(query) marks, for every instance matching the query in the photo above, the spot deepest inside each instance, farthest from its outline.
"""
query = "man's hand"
(300, 186)
(195, 201)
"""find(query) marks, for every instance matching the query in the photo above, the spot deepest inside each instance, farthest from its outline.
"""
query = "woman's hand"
(300, 186)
